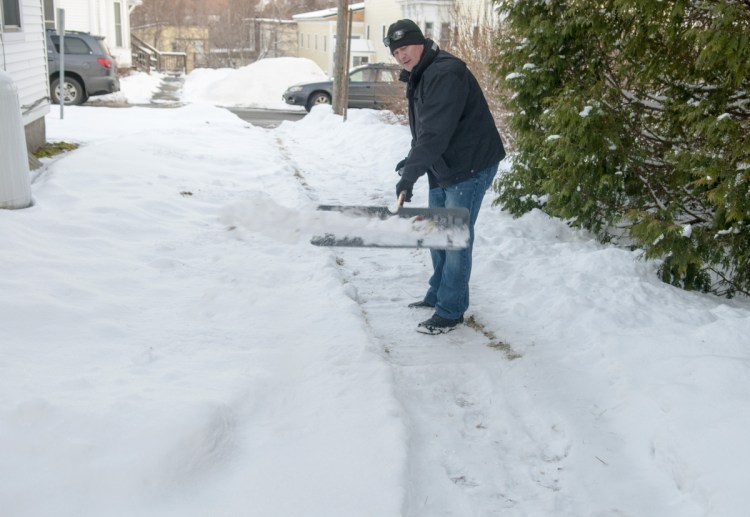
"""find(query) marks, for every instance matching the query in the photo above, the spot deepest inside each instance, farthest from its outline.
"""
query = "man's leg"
(451, 280)
(436, 199)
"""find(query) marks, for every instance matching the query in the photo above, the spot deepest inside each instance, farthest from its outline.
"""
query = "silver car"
(89, 68)
(373, 86)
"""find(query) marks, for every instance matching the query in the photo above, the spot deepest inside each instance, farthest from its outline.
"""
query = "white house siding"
(316, 37)
(23, 56)
(429, 15)
(480, 11)
(379, 14)
(99, 17)
(315, 40)
(433, 16)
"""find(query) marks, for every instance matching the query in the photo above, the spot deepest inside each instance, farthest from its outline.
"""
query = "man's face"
(408, 56)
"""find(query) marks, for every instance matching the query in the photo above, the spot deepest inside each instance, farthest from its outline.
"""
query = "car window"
(386, 75)
(104, 49)
(73, 45)
(364, 75)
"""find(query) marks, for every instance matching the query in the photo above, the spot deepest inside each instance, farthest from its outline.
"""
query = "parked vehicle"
(370, 86)
(89, 68)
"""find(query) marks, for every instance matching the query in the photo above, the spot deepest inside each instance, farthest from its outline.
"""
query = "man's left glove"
(405, 185)
(400, 166)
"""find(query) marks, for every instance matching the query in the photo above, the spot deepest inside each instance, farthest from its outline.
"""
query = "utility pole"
(340, 60)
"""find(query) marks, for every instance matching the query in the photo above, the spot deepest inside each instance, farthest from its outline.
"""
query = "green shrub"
(631, 119)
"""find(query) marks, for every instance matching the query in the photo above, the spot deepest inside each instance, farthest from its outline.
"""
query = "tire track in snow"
(473, 450)
(286, 156)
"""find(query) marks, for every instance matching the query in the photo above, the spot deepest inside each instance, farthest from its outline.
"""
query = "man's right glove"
(405, 185)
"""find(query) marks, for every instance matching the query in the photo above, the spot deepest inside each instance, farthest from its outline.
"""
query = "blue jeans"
(449, 285)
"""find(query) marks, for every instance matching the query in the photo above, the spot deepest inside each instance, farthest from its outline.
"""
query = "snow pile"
(172, 345)
(135, 88)
(259, 84)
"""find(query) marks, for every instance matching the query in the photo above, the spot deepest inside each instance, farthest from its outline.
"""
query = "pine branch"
(727, 280)
(651, 191)
(697, 218)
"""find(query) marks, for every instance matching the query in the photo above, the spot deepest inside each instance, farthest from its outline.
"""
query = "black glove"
(407, 186)
(400, 166)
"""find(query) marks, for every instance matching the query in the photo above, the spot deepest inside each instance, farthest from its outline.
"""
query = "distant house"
(271, 37)
(24, 57)
(316, 34)
(193, 41)
(371, 19)
(379, 14)
(108, 18)
(440, 20)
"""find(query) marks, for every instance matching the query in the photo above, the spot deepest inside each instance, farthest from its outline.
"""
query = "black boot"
(438, 325)
(421, 305)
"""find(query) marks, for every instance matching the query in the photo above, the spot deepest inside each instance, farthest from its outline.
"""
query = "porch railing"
(147, 58)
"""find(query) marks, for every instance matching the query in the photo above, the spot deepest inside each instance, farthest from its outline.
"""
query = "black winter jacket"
(453, 133)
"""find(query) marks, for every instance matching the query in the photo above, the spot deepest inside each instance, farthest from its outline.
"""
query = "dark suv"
(370, 86)
(89, 68)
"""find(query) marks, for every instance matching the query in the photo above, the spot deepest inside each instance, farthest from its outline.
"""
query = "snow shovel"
(395, 227)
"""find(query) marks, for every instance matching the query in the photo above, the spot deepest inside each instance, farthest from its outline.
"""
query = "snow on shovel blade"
(379, 227)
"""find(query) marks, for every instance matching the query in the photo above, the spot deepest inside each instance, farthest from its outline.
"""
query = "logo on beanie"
(402, 33)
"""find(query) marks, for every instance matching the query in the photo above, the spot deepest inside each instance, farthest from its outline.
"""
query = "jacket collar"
(429, 54)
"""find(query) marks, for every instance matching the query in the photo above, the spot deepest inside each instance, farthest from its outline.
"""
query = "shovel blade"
(443, 217)
(331, 240)
(433, 228)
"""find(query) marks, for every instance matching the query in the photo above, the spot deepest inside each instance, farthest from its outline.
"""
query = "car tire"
(73, 92)
(317, 98)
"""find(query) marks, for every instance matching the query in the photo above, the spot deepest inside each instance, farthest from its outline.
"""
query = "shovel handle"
(399, 203)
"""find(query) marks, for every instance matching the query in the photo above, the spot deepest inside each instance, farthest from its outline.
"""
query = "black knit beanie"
(409, 32)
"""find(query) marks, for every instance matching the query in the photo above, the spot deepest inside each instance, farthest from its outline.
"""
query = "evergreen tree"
(631, 119)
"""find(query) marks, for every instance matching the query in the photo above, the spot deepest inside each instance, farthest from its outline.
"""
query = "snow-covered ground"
(172, 345)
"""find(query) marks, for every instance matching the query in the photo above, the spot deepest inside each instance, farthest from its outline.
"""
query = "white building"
(108, 18)
(438, 19)
(24, 57)
(316, 33)
(379, 14)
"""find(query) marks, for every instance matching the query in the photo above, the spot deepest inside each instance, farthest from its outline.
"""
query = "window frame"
(49, 14)
(17, 11)
(118, 23)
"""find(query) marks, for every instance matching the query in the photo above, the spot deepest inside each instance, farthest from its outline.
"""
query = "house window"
(325, 42)
(361, 60)
(11, 14)
(316, 42)
(49, 14)
(428, 30)
(118, 24)
(445, 34)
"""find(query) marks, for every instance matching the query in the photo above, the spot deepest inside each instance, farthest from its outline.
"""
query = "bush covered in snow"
(632, 119)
